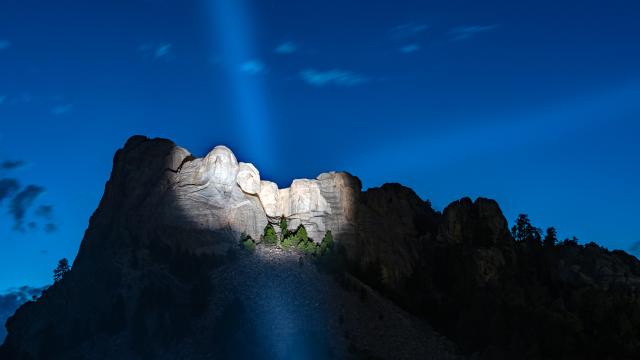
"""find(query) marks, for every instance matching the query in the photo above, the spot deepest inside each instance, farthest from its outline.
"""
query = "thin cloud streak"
(408, 30)
(467, 32)
(411, 48)
(8, 187)
(160, 52)
(62, 109)
(22, 202)
(252, 67)
(337, 77)
(286, 48)
(45, 211)
(50, 228)
(11, 164)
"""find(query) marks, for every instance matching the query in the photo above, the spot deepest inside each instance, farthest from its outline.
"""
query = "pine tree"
(61, 269)
(270, 237)
(524, 231)
(283, 228)
(551, 238)
(301, 232)
(327, 242)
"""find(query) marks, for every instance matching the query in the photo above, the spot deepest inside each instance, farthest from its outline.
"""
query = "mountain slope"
(160, 273)
(12, 300)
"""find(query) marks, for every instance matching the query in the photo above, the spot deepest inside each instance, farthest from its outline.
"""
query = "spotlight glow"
(232, 28)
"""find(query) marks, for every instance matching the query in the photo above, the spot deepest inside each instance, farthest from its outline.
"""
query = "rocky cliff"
(12, 299)
(160, 274)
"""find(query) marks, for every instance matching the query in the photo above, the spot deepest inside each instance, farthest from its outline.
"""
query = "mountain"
(12, 299)
(176, 263)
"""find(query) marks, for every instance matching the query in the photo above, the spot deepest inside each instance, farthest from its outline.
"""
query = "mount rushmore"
(224, 193)
(161, 274)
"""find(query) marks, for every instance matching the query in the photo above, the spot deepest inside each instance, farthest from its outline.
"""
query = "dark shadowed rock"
(479, 223)
(160, 274)
(12, 299)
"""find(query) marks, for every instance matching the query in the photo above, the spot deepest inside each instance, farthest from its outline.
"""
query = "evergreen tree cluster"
(291, 239)
(247, 242)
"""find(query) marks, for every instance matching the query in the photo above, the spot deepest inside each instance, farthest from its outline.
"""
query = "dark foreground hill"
(12, 299)
(162, 273)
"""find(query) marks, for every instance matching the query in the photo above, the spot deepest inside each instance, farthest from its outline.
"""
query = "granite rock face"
(161, 251)
(161, 260)
(248, 179)
(219, 167)
(475, 223)
(217, 193)
(269, 198)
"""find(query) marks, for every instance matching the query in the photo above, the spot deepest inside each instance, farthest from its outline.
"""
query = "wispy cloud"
(158, 51)
(163, 51)
(62, 109)
(410, 48)
(252, 67)
(285, 48)
(4, 44)
(336, 77)
(50, 228)
(11, 164)
(408, 30)
(23, 98)
(45, 211)
(22, 202)
(8, 187)
(466, 32)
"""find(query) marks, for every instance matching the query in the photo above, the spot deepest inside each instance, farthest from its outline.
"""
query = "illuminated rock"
(305, 197)
(207, 195)
(283, 202)
(269, 197)
(219, 166)
(248, 178)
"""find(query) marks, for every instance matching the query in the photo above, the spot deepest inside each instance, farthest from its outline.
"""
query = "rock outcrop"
(160, 262)
(248, 179)
(160, 274)
(11, 300)
(218, 193)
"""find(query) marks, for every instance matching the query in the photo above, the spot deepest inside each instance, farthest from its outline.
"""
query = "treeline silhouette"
(531, 297)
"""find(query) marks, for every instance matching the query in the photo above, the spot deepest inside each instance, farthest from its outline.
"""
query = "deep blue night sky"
(533, 103)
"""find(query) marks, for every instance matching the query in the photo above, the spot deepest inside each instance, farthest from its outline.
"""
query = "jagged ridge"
(169, 223)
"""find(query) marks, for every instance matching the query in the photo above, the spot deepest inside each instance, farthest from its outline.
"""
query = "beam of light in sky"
(232, 27)
(244, 71)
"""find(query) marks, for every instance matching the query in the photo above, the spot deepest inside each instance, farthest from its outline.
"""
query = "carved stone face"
(305, 197)
(248, 178)
(221, 166)
(269, 198)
